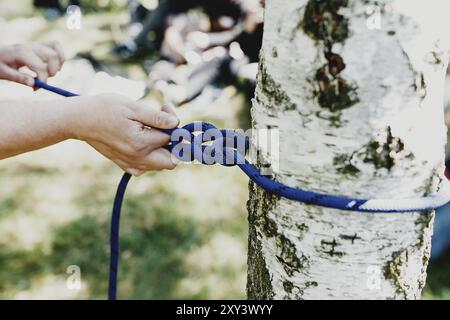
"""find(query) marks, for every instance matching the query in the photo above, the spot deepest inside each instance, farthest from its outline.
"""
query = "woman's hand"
(125, 131)
(43, 59)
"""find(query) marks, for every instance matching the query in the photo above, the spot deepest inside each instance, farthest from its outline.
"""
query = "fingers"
(49, 56)
(159, 159)
(154, 138)
(43, 59)
(155, 118)
(59, 50)
(145, 150)
(8, 73)
(169, 109)
(136, 161)
(30, 59)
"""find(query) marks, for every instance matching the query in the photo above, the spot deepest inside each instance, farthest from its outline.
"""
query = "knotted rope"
(211, 145)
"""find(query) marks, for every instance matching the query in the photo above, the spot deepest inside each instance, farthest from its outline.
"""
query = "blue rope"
(40, 84)
(218, 148)
(114, 236)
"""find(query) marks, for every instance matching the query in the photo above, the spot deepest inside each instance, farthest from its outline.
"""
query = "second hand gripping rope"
(198, 146)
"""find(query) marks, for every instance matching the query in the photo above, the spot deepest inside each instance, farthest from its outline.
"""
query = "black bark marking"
(323, 22)
(385, 150)
(329, 247)
(352, 238)
(343, 164)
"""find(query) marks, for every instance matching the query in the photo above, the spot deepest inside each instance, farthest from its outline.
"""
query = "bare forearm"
(117, 127)
(26, 126)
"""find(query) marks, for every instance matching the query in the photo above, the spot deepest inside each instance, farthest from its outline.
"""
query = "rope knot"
(208, 145)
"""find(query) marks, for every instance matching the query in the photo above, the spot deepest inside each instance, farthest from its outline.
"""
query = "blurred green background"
(183, 233)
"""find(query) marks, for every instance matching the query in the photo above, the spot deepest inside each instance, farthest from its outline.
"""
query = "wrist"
(78, 118)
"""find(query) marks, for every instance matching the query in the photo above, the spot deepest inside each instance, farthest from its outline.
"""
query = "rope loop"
(203, 142)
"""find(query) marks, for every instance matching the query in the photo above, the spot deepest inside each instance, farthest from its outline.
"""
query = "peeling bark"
(360, 114)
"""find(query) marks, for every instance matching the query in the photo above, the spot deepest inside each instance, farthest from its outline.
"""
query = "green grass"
(157, 236)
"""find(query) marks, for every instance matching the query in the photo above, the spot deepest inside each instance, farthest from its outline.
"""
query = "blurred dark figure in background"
(224, 15)
(441, 234)
(216, 41)
(54, 9)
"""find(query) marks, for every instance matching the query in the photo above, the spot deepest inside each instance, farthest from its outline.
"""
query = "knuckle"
(137, 149)
(158, 120)
(136, 153)
(39, 67)
(128, 151)
(133, 153)
(161, 120)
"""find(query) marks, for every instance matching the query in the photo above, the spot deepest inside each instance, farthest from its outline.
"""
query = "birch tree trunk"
(360, 113)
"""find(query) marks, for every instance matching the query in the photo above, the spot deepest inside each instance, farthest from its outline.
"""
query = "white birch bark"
(360, 114)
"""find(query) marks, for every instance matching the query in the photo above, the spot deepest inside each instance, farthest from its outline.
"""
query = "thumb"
(155, 118)
(8, 73)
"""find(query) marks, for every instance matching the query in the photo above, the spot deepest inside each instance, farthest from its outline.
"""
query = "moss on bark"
(277, 98)
(259, 285)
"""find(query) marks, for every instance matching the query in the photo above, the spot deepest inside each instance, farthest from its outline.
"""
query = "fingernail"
(172, 121)
(174, 159)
